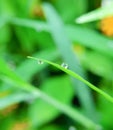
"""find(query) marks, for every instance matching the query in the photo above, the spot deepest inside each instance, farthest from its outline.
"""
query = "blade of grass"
(13, 98)
(64, 45)
(75, 75)
(73, 113)
(96, 14)
(37, 25)
(90, 39)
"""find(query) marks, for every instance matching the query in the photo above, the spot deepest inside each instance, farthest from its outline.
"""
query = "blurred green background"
(39, 96)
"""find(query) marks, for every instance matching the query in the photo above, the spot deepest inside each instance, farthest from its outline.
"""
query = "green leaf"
(52, 127)
(98, 65)
(106, 110)
(36, 31)
(71, 8)
(40, 111)
(4, 37)
(96, 14)
(90, 39)
(6, 8)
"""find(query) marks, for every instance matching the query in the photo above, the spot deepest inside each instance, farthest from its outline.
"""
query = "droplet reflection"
(64, 65)
(40, 62)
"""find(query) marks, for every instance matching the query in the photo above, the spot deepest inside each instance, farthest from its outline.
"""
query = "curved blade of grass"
(75, 75)
(12, 78)
(96, 14)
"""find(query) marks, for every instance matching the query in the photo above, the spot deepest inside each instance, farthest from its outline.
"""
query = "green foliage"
(51, 88)
(41, 96)
(75, 75)
(61, 40)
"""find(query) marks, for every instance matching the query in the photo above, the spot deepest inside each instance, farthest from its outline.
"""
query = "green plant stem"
(75, 75)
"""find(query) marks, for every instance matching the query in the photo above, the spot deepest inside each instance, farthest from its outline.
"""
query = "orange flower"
(107, 26)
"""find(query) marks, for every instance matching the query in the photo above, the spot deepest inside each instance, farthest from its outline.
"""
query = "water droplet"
(40, 62)
(64, 65)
